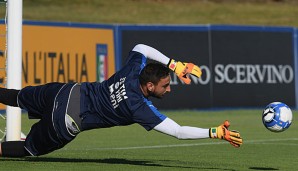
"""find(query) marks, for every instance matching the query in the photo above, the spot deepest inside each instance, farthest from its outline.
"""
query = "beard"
(159, 96)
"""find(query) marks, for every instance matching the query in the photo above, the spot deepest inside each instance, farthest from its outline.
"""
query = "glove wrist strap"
(213, 132)
(172, 64)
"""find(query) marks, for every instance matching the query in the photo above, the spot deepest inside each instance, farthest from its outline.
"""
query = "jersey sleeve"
(136, 58)
(148, 116)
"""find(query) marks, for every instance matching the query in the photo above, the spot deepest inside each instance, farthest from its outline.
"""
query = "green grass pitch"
(133, 148)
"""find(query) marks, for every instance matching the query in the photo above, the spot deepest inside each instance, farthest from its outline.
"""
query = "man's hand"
(222, 132)
(183, 70)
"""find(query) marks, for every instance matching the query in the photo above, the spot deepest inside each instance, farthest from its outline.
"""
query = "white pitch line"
(287, 144)
(263, 141)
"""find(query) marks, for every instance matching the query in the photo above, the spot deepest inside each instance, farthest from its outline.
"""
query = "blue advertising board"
(243, 66)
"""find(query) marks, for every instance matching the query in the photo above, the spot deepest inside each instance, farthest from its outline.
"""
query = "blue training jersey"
(119, 100)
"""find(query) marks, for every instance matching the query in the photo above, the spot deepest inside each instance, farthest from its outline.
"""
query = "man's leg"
(9, 97)
(13, 149)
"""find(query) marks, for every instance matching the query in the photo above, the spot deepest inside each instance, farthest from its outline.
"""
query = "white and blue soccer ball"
(277, 117)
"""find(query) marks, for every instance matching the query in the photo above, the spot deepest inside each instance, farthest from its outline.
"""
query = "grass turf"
(133, 148)
(239, 12)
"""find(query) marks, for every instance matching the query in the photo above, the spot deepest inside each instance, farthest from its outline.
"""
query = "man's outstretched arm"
(181, 69)
(170, 127)
(151, 53)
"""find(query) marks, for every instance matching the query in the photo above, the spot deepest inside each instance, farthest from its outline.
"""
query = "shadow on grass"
(112, 161)
(263, 168)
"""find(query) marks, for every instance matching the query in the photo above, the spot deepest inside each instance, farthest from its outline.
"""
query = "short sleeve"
(148, 116)
(136, 58)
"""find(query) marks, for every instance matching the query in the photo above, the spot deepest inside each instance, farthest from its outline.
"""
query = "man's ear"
(150, 86)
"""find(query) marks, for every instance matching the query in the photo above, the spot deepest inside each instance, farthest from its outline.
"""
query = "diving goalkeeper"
(66, 109)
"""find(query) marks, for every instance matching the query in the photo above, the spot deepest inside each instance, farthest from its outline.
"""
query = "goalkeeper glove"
(222, 132)
(183, 70)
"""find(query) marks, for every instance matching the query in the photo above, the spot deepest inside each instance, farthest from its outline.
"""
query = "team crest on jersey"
(117, 92)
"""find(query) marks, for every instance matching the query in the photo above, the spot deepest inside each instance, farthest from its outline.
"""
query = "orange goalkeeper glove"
(222, 132)
(183, 70)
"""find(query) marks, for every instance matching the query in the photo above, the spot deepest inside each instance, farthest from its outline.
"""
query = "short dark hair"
(153, 72)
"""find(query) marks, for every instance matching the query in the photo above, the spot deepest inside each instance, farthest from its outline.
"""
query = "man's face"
(162, 87)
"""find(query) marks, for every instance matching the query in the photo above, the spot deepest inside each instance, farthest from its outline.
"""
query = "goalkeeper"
(66, 109)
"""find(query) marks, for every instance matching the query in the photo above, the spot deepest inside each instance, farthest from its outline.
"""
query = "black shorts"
(49, 104)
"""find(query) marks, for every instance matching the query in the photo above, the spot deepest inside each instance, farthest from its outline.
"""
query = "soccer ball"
(277, 117)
